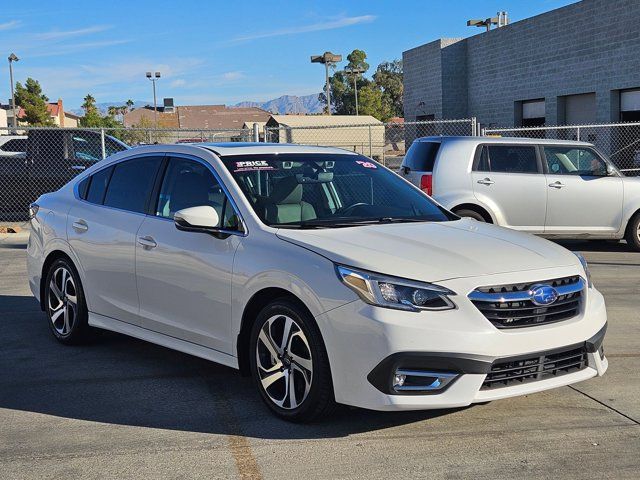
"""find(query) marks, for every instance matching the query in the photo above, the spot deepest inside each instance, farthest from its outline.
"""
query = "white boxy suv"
(319, 272)
(555, 188)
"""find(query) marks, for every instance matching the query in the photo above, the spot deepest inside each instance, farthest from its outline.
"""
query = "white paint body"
(595, 208)
(190, 291)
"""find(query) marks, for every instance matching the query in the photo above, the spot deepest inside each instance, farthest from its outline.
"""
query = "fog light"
(398, 380)
(417, 381)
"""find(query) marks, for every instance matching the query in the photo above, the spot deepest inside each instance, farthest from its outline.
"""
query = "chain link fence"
(619, 141)
(384, 142)
(36, 160)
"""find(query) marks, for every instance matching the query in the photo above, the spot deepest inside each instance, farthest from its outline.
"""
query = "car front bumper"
(367, 344)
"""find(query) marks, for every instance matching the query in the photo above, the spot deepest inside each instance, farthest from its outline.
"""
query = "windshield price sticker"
(366, 164)
(250, 165)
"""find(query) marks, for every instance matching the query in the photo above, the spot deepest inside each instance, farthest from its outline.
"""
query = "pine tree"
(34, 103)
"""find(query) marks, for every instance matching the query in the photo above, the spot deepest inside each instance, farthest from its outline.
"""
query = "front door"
(184, 278)
(582, 196)
(509, 179)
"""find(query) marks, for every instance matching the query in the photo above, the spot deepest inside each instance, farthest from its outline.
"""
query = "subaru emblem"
(543, 294)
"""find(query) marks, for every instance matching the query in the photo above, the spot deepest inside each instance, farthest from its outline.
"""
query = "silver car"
(554, 188)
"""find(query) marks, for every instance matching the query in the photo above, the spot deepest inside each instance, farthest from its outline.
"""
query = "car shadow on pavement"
(120, 380)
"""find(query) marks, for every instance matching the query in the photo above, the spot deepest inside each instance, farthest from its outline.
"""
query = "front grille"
(514, 371)
(512, 306)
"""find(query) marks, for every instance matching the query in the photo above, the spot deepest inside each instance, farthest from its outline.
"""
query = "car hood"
(433, 251)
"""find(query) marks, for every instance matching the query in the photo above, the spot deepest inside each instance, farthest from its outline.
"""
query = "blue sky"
(218, 52)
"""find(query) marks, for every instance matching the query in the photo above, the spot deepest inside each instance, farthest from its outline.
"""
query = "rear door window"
(98, 185)
(131, 184)
(508, 159)
(421, 156)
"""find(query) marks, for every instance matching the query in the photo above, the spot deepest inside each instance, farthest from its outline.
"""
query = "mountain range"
(306, 104)
(288, 104)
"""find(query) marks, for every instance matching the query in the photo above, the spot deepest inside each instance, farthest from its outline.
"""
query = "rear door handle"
(147, 242)
(557, 185)
(78, 167)
(80, 226)
(486, 181)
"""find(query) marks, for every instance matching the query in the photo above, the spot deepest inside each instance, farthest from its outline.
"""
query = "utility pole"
(153, 79)
(328, 59)
(355, 72)
(13, 58)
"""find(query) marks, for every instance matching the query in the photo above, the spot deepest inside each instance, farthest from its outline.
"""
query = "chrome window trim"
(504, 297)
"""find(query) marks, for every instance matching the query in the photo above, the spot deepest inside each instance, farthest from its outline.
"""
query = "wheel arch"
(256, 303)
(48, 261)
(476, 208)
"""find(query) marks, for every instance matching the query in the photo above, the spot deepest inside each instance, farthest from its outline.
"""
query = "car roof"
(252, 148)
(502, 140)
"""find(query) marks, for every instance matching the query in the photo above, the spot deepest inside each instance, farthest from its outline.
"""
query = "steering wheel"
(346, 211)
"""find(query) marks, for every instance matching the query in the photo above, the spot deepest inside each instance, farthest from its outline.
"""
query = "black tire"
(632, 235)
(319, 402)
(470, 214)
(74, 329)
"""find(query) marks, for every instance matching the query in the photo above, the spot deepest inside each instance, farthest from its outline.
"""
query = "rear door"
(102, 231)
(582, 196)
(419, 160)
(509, 179)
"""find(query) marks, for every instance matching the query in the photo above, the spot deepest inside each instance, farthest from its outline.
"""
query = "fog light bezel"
(440, 382)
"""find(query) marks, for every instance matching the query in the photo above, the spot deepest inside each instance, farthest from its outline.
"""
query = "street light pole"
(153, 79)
(355, 71)
(13, 58)
(328, 59)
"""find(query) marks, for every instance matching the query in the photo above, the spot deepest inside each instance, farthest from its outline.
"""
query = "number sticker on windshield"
(250, 165)
(366, 164)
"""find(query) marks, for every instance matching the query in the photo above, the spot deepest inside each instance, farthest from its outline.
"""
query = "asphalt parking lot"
(122, 408)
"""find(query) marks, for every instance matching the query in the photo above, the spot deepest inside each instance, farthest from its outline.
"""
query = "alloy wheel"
(63, 301)
(284, 362)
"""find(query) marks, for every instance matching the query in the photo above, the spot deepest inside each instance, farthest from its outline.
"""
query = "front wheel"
(633, 233)
(289, 363)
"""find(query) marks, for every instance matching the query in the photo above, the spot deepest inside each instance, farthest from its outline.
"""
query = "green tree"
(388, 77)
(358, 59)
(371, 102)
(130, 105)
(34, 103)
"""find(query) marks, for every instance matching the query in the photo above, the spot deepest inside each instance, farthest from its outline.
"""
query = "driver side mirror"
(203, 219)
(611, 172)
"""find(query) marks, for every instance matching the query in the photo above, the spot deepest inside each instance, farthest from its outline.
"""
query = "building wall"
(588, 47)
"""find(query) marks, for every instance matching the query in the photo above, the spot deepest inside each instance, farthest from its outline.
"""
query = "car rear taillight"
(426, 183)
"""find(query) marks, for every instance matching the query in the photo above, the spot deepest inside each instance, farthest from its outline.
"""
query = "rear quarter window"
(422, 156)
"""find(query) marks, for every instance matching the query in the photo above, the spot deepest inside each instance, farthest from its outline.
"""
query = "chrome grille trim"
(511, 306)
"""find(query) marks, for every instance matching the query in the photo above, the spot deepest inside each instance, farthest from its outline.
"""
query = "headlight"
(393, 292)
(583, 261)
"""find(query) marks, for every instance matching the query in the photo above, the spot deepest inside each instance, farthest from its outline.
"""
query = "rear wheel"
(289, 363)
(470, 214)
(65, 304)
(633, 232)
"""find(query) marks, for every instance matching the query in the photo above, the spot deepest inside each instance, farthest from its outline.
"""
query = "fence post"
(256, 133)
(474, 125)
(370, 145)
(102, 144)
(578, 134)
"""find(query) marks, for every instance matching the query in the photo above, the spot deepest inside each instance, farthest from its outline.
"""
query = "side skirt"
(108, 323)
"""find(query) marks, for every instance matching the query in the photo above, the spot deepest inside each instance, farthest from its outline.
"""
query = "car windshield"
(328, 190)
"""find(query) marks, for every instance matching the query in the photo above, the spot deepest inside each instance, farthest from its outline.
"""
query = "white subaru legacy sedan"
(320, 273)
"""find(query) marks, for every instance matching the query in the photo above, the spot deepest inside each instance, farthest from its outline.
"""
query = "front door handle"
(80, 226)
(557, 185)
(147, 242)
(486, 181)
(78, 167)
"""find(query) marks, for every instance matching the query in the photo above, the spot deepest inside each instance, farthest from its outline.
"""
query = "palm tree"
(129, 104)
(113, 111)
